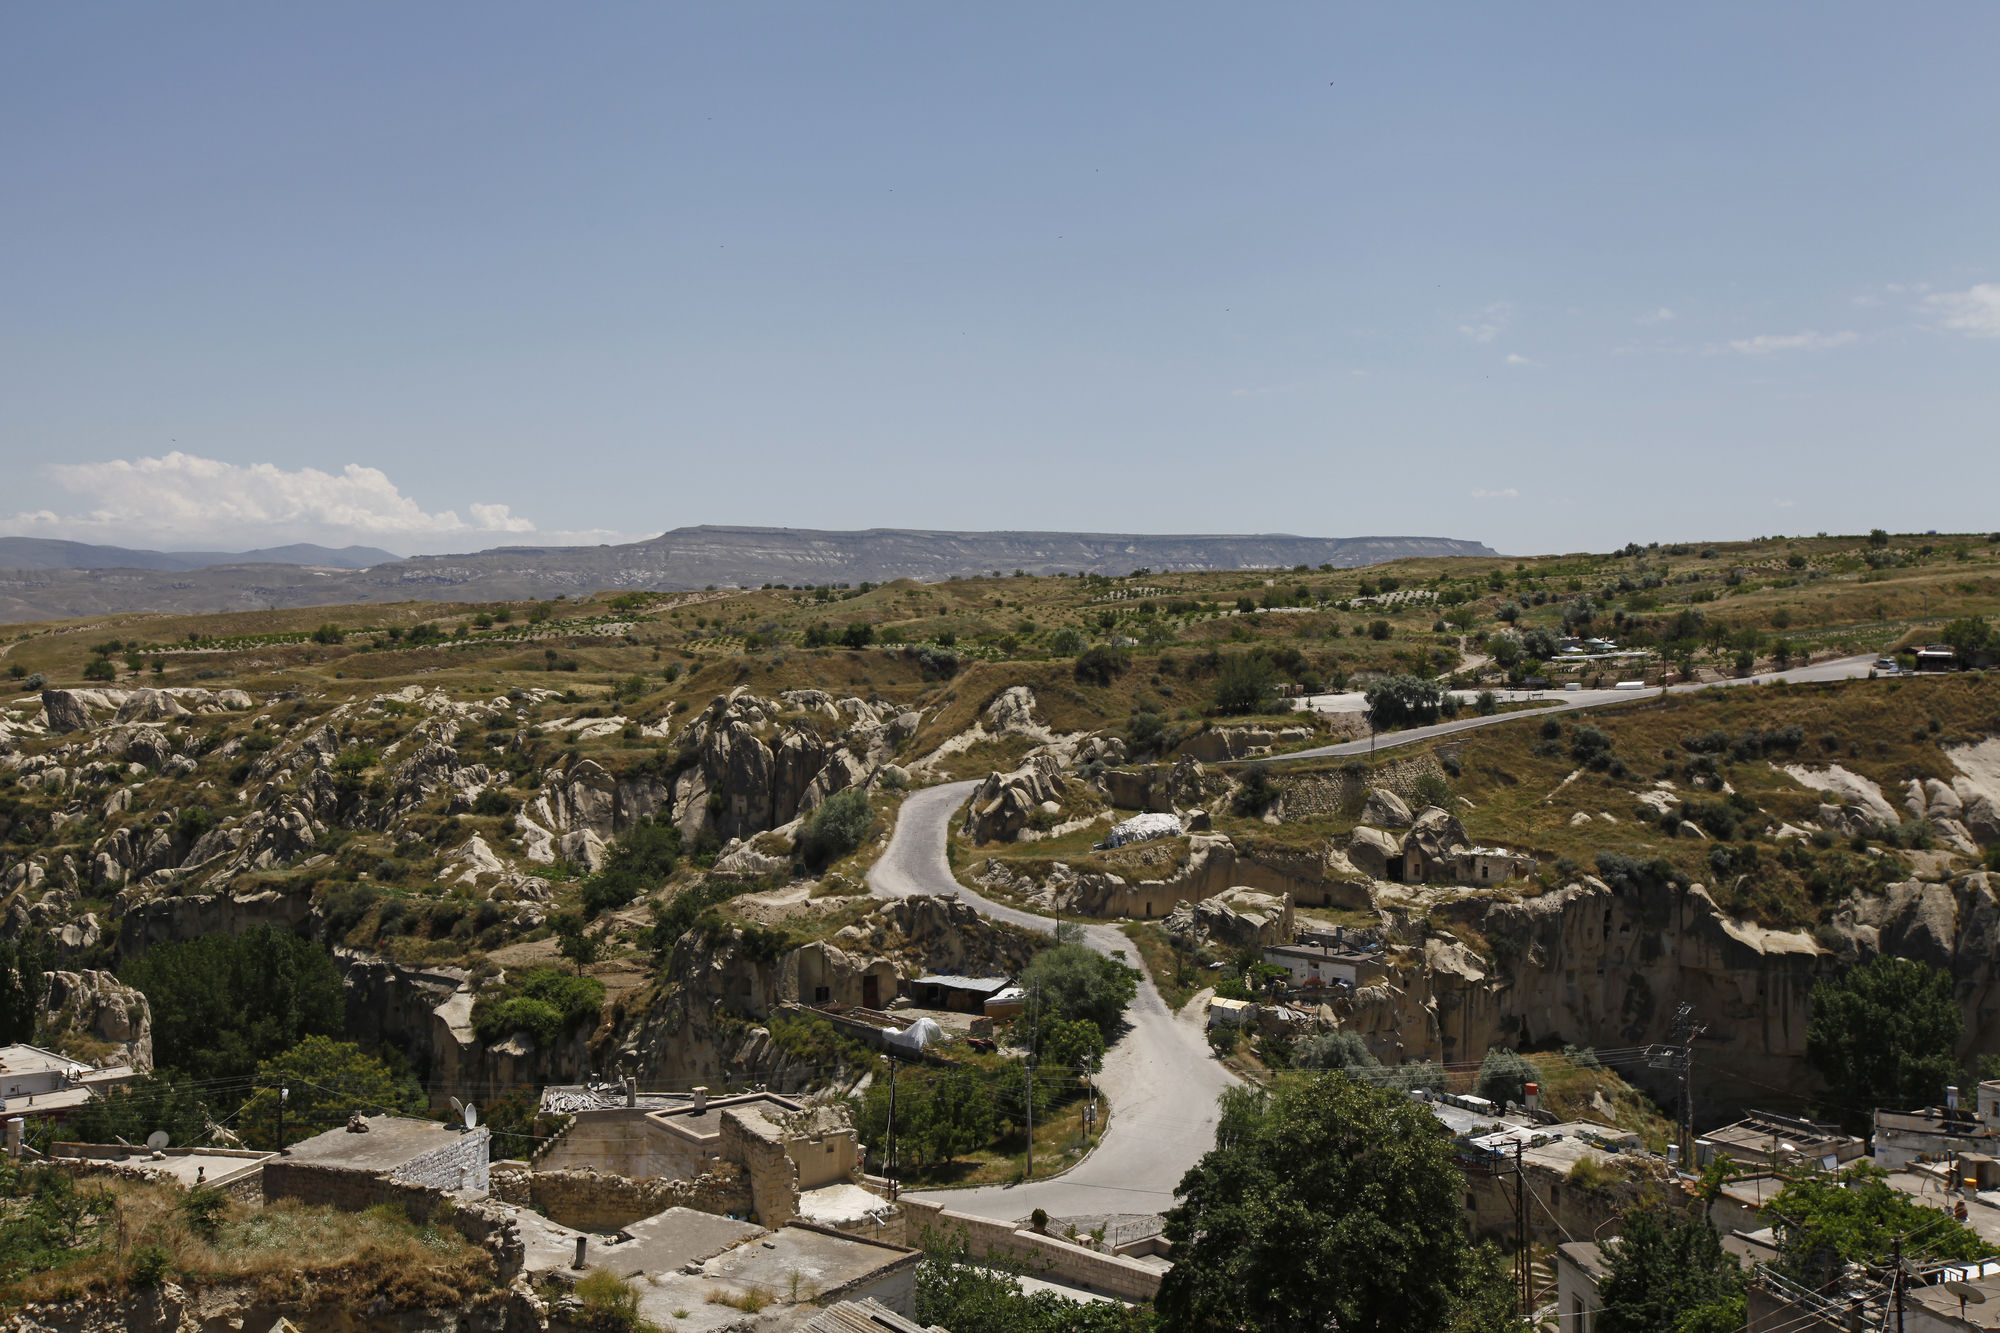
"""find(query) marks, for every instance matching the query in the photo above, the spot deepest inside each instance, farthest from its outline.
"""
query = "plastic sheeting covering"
(1141, 827)
(916, 1036)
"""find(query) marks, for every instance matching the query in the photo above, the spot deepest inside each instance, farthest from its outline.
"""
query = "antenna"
(157, 1140)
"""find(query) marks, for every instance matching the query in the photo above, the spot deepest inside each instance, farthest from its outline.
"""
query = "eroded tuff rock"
(97, 1005)
(1238, 918)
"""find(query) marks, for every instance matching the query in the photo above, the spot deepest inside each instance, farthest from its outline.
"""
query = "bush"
(1101, 664)
(493, 802)
(1066, 642)
(35, 682)
(541, 1002)
(640, 862)
(841, 824)
(1257, 793)
(328, 633)
(609, 1301)
(857, 635)
(1504, 1076)
(1486, 705)
(148, 1266)
(100, 669)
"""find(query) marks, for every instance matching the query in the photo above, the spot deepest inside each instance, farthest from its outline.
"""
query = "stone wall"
(621, 1141)
(1332, 795)
(599, 1201)
(1041, 1256)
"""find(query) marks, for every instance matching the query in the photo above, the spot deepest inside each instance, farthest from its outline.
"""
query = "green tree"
(842, 823)
(1070, 981)
(859, 634)
(1325, 1203)
(1967, 635)
(321, 1083)
(640, 862)
(1825, 1221)
(1669, 1275)
(1403, 701)
(23, 982)
(1070, 1043)
(1504, 1076)
(962, 1116)
(223, 1003)
(1885, 1034)
(1246, 684)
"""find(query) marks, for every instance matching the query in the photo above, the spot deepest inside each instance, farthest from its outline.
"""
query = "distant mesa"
(57, 580)
(46, 553)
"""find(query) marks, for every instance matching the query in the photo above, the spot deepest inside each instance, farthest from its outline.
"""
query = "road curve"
(1160, 1077)
(1162, 1081)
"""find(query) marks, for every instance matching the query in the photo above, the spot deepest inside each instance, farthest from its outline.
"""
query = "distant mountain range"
(683, 558)
(45, 553)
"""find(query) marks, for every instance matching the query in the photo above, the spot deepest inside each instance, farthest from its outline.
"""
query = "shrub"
(328, 633)
(540, 1001)
(100, 669)
(1431, 789)
(842, 822)
(1589, 746)
(35, 682)
(493, 802)
(1257, 793)
(1486, 705)
(859, 634)
(640, 862)
(609, 1301)
(148, 1266)
(1101, 664)
(1066, 642)
(1505, 1074)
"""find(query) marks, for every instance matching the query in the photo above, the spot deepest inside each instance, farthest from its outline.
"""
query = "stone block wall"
(599, 1201)
(460, 1163)
(1042, 1256)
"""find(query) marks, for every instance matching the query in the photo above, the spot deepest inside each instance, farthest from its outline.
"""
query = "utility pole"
(1524, 1273)
(1678, 1056)
(891, 1172)
(1028, 1088)
(284, 1095)
(1897, 1279)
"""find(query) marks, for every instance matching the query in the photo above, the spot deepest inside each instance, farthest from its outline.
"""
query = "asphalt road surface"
(1159, 1076)
(1161, 1079)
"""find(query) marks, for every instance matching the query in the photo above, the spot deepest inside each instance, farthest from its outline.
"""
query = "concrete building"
(1580, 1268)
(967, 995)
(236, 1171)
(1764, 1139)
(356, 1170)
(1904, 1137)
(1314, 966)
(35, 1082)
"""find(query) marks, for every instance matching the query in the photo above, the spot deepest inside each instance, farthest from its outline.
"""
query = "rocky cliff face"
(1596, 966)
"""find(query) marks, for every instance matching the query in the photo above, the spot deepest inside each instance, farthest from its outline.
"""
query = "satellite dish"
(1966, 1292)
(157, 1140)
(457, 1105)
(471, 1116)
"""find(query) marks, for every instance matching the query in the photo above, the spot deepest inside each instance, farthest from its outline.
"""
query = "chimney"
(700, 1100)
(1533, 1092)
(14, 1127)
(1950, 1098)
(581, 1242)
(631, 1091)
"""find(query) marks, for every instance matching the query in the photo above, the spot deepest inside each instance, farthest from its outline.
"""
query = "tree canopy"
(1403, 701)
(328, 1081)
(1070, 981)
(223, 1003)
(1669, 1275)
(1885, 1034)
(1826, 1220)
(1325, 1203)
(840, 824)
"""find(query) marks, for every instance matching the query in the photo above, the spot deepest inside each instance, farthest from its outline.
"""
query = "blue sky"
(1550, 276)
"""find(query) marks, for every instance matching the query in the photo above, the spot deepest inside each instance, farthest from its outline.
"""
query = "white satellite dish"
(458, 1105)
(157, 1140)
(471, 1116)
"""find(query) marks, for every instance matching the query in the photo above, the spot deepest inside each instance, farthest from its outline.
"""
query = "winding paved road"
(1160, 1075)
(1161, 1079)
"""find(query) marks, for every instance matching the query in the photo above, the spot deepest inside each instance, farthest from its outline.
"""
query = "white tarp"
(1141, 827)
(916, 1036)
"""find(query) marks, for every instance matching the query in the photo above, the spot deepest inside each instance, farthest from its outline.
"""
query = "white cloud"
(1660, 316)
(1508, 493)
(181, 501)
(1488, 324)
(1786, 504)
(1810, 341)
(1974, 312)
(1516, 359)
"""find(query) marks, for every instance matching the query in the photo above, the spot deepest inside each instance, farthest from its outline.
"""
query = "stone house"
(359, 1169)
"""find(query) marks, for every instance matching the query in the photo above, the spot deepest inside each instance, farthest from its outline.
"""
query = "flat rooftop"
(185, 1166)
(666, 1242)
(823, 1260)
(391, 1141)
